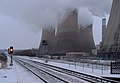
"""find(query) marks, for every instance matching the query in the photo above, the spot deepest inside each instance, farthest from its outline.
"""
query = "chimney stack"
(103, 28)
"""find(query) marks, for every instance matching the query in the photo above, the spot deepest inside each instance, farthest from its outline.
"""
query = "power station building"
(111, 42)
(69, 36)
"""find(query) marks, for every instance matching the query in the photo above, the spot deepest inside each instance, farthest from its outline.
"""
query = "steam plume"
(41, 13)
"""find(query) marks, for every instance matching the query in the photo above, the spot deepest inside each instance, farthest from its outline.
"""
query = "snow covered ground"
(17, 74)
(102, 71)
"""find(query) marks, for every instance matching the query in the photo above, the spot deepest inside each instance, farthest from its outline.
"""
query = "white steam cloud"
(41, 13)
(85, 17)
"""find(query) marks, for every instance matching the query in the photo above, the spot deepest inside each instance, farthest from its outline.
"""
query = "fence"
(115, 67)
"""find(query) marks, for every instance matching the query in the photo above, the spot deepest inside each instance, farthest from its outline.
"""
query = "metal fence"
(115, 67)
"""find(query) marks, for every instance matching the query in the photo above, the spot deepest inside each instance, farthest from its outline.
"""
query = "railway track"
(88, 78)
(48, 75)
(43, 75)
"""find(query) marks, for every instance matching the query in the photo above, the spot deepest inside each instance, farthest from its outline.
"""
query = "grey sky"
(23, 19)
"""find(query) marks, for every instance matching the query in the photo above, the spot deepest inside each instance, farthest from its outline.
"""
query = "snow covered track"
(51, 68)
(43, 75)
(31, 70)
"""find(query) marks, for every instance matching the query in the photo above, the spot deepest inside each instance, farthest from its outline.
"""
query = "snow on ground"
(17, 74)
(105, 72)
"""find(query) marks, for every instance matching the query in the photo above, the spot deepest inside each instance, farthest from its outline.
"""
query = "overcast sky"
(21, 21)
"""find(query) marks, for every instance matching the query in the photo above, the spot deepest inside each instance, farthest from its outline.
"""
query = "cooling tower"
(70, 39)
(86, 41)
(112, 37)
(67, 33)
(47, 40)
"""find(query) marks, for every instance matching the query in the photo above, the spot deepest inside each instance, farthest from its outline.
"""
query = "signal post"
(10, 51)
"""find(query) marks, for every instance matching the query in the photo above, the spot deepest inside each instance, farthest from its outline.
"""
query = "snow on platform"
(17, 74)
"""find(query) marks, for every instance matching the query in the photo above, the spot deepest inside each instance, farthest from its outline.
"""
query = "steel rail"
(27, 64)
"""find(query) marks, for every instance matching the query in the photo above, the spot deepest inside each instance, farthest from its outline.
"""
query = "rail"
(83, 76)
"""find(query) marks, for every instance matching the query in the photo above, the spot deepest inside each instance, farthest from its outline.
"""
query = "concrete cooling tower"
(70, 39)
(48, 40)
(86, 40)
(67, 34)
(112, 37)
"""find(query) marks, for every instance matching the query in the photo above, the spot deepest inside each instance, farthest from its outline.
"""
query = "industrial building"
(69, 36)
